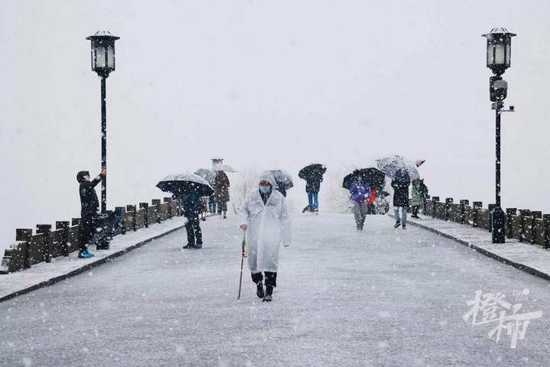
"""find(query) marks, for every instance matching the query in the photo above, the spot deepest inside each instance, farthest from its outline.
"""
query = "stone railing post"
(546, 226)
(25, 234)
(524, 213)
(435, 199)
(133, 213)
(145, 207)
(156, 204)
(463, 204)
(64, 226)
(169, 200)
(510, 213)
(46, 230)
(477, 205)
(448, 203)
(121, 211)
(536, 214)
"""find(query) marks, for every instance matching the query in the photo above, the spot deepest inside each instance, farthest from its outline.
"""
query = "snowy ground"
(383, 297)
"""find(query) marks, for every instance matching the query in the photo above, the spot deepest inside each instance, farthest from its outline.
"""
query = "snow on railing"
(525, 225)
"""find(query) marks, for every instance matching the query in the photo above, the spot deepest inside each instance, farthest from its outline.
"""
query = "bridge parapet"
(524, 225)
(31, 249)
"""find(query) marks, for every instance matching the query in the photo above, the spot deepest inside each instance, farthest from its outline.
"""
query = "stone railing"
(47, 244)
(525, 225)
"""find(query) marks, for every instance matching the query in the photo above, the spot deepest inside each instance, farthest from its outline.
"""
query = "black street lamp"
(499, 52)
(103, 62)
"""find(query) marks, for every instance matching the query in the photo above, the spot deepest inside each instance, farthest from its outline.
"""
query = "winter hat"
(80, 176)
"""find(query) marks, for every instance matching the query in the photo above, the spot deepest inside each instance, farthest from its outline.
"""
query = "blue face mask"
(265, 189)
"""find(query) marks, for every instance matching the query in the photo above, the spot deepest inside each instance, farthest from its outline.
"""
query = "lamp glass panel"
(111, 56)
(500, 54)
(490, 55)
(100, 59)
(508, 54)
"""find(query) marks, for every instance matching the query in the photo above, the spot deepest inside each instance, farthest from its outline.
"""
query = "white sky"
(266, 84)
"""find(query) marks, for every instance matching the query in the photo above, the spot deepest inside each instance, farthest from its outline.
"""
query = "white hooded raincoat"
(268, 227)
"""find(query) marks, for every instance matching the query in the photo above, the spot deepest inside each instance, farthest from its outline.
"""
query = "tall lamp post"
(499, 47)
(103, 63)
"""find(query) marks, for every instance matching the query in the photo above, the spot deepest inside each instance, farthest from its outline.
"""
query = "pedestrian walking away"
(89, 209)
(360, 192)
(192, 207)
(313, 175)
(221, 187)
(400, 186)
(267, 226)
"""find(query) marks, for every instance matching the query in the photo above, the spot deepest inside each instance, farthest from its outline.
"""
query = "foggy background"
(266, 84)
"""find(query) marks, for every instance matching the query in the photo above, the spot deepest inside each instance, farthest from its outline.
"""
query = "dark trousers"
(415, 210)
(222, 207)
(194, 233)
(88, 229)
(270, 278)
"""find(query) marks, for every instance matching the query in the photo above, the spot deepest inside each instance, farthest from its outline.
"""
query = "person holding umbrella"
(267, 226)
(189, 188)
(192, 207)
(400, 186)
(283, 181)
(360, 192)
(313, 175)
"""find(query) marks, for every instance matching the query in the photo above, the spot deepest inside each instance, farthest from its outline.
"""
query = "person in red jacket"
(371, 208)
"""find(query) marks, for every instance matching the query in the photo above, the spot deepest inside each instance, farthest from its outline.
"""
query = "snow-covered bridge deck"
(384, 297)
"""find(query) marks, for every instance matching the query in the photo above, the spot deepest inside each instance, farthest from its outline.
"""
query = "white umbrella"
(390, 166)
(224, 168)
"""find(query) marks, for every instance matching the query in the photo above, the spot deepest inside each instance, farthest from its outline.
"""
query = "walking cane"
(242, 264)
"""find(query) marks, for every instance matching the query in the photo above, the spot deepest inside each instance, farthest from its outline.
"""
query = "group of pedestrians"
(264, 213)
(401, 202)
(194, 207)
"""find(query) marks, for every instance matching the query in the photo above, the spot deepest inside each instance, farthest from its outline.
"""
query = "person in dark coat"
(191, 205)
(400, 186)
(89, 209)
(221, 187)
(313, 186)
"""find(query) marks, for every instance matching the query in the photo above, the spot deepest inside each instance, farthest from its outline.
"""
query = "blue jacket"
(359, 192)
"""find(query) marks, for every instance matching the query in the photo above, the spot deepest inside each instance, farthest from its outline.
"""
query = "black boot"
(268, 294)
(260, 290)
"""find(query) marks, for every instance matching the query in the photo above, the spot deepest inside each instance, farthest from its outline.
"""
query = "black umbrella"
(282, 178)
(375, 178)
(312, 171)
(185, 183)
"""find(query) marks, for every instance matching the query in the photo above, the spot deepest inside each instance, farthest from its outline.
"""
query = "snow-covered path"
(383, 297)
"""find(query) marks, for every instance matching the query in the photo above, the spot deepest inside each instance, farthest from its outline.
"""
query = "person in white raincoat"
(266, 220)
